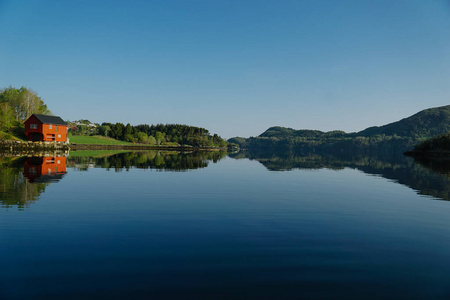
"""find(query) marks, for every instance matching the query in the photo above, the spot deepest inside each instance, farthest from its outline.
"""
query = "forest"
(162, 134)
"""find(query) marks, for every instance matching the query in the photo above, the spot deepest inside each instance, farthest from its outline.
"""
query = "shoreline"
(77, 147)
(28, 147)
(21, 147)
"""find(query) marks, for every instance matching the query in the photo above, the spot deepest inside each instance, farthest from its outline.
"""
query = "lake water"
(169, 226)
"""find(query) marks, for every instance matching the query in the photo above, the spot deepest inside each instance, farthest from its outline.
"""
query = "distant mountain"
(283, 132)
(399, 136)
(425, 124)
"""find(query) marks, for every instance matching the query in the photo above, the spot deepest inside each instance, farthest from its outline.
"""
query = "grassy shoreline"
(86, 143)
(90, 143)
(95, 140)
(137, 147)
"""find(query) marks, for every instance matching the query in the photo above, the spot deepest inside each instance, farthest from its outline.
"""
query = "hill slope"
(425, 124)
(400, 135)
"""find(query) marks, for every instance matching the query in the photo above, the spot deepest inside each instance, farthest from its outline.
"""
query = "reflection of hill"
(398, 168)
(15, 188)
(158, 160)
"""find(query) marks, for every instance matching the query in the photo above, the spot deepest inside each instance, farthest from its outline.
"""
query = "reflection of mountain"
(398, 168)
(15, 189)
(158, 160)
(44, 169)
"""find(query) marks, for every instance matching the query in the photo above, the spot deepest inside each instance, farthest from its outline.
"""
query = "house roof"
(50, 119)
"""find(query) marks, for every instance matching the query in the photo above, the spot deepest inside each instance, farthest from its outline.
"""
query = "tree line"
(161, 134)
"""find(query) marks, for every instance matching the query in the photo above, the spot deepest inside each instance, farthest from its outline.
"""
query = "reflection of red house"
(45, 128)
(44, 169)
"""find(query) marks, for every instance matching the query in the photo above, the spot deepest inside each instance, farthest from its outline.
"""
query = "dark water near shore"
(209, 226)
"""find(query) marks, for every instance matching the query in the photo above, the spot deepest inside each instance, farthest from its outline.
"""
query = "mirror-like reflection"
(16, 190)
(439, 165)
(427, 177)
(24, 179)
(231, 227)
(157, 160)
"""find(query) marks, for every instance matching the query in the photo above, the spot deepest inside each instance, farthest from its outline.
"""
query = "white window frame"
(49, 126)
(33, 126)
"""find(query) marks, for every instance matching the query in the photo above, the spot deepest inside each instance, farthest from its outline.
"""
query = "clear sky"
(233, 67)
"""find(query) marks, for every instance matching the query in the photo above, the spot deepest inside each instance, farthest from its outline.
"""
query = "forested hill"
(404, 134)
(283, 132)
(425, 124)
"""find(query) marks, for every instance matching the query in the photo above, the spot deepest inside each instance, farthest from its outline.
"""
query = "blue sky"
(233, 67)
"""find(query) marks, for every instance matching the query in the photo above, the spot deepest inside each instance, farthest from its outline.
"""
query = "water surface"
(205, 226)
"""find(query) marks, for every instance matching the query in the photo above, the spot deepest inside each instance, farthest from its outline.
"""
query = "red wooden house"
(45, 128)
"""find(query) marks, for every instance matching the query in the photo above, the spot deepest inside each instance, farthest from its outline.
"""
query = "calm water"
(155, 226)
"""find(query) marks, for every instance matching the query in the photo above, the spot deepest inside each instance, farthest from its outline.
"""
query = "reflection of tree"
(15, 189)
(437, 164)
(158, 160)
(427, 177)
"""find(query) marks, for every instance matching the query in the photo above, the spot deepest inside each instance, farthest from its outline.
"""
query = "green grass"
(10, 136)
(95, 140)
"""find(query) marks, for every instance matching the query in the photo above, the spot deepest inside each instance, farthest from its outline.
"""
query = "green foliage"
(16, 105)
(151, 140)
(401, 135)
(169, 134)
(282, 132)
(159, 136)
(103, 130)
(240, 141)
(440, 143)
(129, 138)
(6, 116)
(142, 137)
(425, 124)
